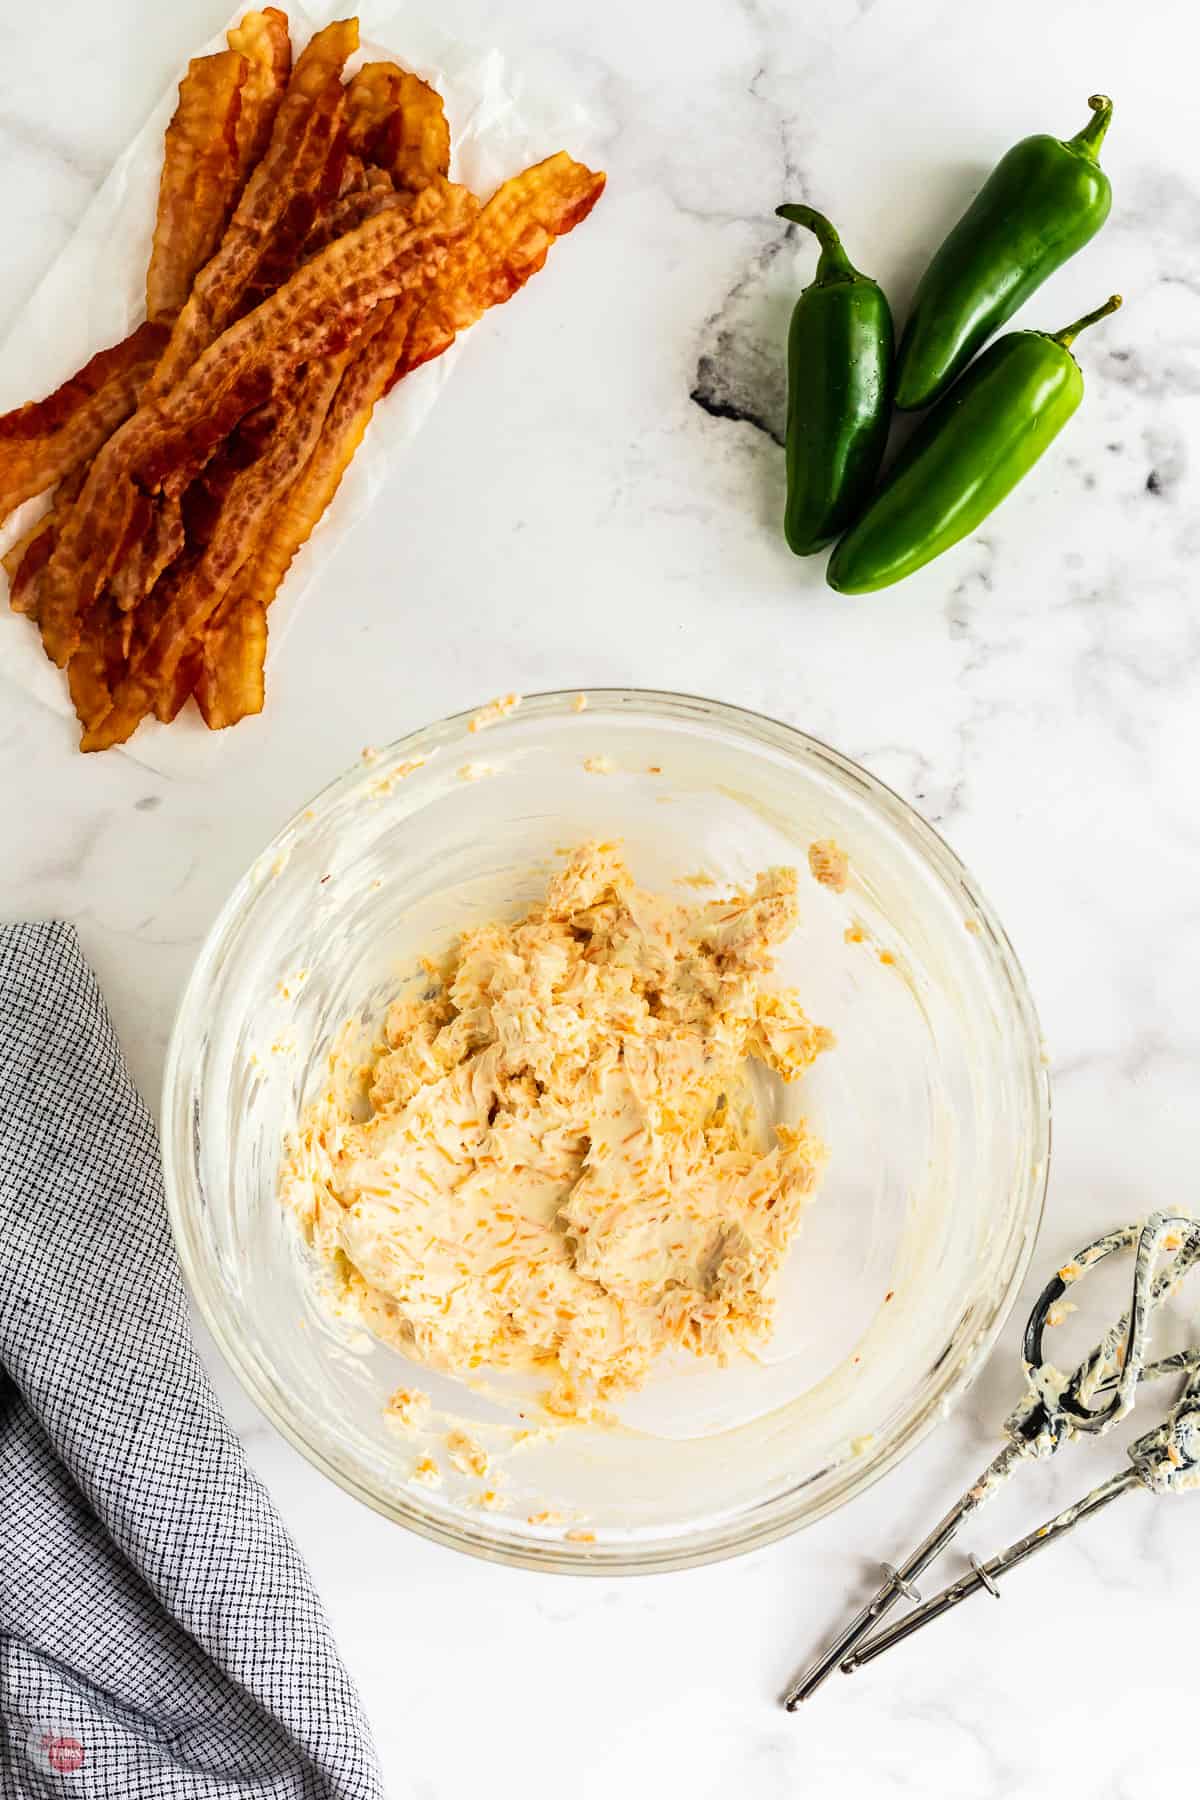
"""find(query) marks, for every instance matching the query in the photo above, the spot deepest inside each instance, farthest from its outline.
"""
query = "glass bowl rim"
(787, 1512)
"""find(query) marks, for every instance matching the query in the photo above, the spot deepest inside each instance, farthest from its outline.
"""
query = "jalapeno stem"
(1066, 337)
(1091, 137)
(834, 264)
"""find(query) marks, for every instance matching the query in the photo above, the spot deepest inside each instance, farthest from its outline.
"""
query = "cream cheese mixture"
(554, 1159)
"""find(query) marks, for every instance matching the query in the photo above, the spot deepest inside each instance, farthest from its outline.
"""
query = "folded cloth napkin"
(159, 1635)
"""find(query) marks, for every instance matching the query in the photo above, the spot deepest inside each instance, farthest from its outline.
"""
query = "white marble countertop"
(572, 517)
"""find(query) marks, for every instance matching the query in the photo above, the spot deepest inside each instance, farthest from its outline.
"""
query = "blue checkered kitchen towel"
(159, 1634)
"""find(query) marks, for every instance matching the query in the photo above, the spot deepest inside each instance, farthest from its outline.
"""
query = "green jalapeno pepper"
(966, 456)
(840, 348)
(1041, 203)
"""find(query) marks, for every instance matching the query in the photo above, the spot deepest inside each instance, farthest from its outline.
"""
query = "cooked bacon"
(42, 441)
(25, 562)
(193, 590)
(200, 178)
(170, 437)
(392, 118)
(262, 38)
(228, 686)
(99, 662)
(510, 242)
(350, 211)
(356, 175)
(204, 503)
(176, 690)
(155, 541)
(398, 143)
(302, 162)
(230, 677)
(397, 130)
(308, 251)
(227, 106)
(397, 122)
(227, 103)
(22, 560)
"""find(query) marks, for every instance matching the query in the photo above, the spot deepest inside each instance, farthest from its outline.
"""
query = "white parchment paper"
(94, 294)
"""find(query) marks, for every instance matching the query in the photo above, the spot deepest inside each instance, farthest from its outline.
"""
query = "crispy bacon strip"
(226, 103)
(350, 211)
(314, 314)
(397, 122)
(227, 106)
(14, 557)
(27, 559)
(43, 441)
(193, 591)
(174, 695)
(394, 121)
(98, 662)
(152, 575)
(356, 175)
(199, 180)
(390, 115)
(204, 503)
(397, 133)
(229, 684)
(262, 38)
(110, 635)
(508, 245)
(308, 137)
(230, 681)
(155, 541)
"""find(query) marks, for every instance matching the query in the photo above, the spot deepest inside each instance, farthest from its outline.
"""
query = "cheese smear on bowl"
(561, 1166)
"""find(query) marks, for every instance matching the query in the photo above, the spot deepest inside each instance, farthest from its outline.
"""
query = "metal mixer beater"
(1056, 1410)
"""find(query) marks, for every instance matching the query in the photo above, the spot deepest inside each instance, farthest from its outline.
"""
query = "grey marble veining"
(612, 437)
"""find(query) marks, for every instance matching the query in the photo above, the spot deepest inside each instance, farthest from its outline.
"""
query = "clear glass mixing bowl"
(934, 1104)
